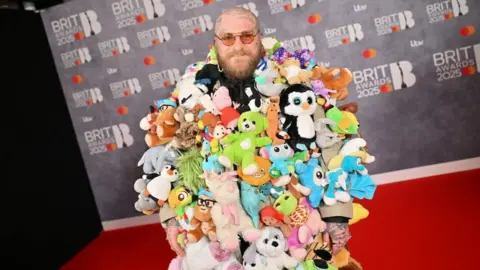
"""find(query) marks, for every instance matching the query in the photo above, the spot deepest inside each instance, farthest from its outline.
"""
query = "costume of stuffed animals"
(259, 167)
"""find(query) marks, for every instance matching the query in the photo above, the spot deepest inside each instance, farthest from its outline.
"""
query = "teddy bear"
(273, 129)
(240, 146)
(187, 135)
(202, 217)
(228, 114)
(331, 82)
(147, 123)
(292, 71)
(166, 125)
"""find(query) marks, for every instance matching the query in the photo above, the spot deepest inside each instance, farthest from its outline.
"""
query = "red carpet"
(429, 223)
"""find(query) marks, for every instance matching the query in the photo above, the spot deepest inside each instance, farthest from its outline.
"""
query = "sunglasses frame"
(235, 38)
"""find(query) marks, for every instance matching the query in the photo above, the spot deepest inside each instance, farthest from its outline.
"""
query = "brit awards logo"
(195, 25)
(298, 43)
(87, 97)
(394, 22)
(76, 57)
(164, 78)
(153, 36)
(131, 12)
(278, 6)
(446, 10)
(455, 63)
(76, 27)
(113, 47)
(250, 6)
(108, 138)
(384, 78)
(125, 88)
(344, 35)
(193, 4)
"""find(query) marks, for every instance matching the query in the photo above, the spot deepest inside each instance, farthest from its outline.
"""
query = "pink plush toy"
(229, 115)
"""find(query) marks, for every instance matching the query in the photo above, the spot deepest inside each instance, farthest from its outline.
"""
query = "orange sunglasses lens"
(229, 39)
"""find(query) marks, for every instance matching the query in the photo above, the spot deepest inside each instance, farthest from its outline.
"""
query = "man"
(239, 50)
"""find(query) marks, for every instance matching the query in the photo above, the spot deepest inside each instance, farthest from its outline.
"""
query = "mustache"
(240, 52)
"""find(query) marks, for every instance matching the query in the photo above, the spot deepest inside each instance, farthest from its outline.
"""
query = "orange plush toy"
(334, 79)
(166, 125)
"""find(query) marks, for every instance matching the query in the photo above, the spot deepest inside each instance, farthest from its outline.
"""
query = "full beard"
(234, 73)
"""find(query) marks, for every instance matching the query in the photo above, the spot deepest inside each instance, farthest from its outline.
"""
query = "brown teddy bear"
(330, 80)
(202, 218)
(293, 73)
(187, 135)
(163, 128)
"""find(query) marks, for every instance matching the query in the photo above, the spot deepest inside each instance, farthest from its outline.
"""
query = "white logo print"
(269, 31)
(304, 42)
(87, 119)
(344, 35)
(324, 64)
(187, 51)
(125, 88)
(87, 97)
(250, 6)
(416, 43)
(108, 138)
(195, 25)
(358, 8)
(164, 78)
(153, 36)
(76, 57)
(458, 62)
(131, 12)
(114, 46)
(277, 6)
(384, 78)
(76, 27)
(111, 71)
(394, 22)
(445, 10)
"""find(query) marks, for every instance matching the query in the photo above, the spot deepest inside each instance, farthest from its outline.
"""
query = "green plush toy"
(212, 56)
(240, 146)
(190, 167)
(345, 122)
(286, 204)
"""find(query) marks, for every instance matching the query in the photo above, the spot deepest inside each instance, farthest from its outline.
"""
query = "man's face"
(239, 60)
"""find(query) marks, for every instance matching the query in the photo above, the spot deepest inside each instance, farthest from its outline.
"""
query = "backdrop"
(415, 65)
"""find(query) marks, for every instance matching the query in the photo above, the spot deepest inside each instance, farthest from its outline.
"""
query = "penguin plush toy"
(298, 104)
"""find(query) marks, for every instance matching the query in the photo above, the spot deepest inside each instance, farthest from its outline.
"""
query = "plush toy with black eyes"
(298, 104)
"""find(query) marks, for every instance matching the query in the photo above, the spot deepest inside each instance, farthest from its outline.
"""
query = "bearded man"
(238, 43)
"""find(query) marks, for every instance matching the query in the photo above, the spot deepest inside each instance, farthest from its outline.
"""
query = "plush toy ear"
(300, 168)
(264, 153)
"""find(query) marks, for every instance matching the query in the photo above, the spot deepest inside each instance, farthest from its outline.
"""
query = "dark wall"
(50, 211)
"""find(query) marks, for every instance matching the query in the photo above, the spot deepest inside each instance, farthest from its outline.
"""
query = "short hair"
(237, 11)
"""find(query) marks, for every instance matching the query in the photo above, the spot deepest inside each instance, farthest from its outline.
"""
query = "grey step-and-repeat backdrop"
(415, 65)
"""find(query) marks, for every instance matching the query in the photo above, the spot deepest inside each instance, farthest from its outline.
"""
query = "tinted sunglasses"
(246, 37)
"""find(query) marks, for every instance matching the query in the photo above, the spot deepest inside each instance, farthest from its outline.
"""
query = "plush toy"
(229, 115)
(242, 145)
(202, 218)
(252, 260)
(190, 167)
(270, 44)
(306, 58)
(159, 187)
(207, 78)
(279, 155)
(145, 204)
(148, 124)
(205, 255)
(273, 246)
(273, 129)
(312, 176)
(296, 189)
(187, 135)
(334, 79)
(271, 217)
(207, 120)
(298, 105)
(319, 89)
(155, 157)
(324, 136)
(292, 71)
(280, 55)
(178, 199)
(166, 125)
(212, 56)
(219, 132)
(359, 213)
(195, 67)
(228, 214)
(268, 189)
(345, 121)
(248, 99)
(267, 81)
(262, 175)
(320, 262)
(210, 161)
(250, 198)
(304, 220)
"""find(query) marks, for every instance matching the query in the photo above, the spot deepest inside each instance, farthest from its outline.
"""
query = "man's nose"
(238, 43)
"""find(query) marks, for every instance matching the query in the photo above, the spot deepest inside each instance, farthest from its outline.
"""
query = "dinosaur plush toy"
(240, 146)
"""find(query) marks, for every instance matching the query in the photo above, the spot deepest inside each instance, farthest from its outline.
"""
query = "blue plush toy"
(311, 176)
(250, 198)
(280, 156)
(268, 189)
(210, 161)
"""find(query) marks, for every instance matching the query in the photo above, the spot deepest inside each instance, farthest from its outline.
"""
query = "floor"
(428, 223)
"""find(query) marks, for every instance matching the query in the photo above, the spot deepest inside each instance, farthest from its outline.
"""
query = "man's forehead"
(235, 24)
